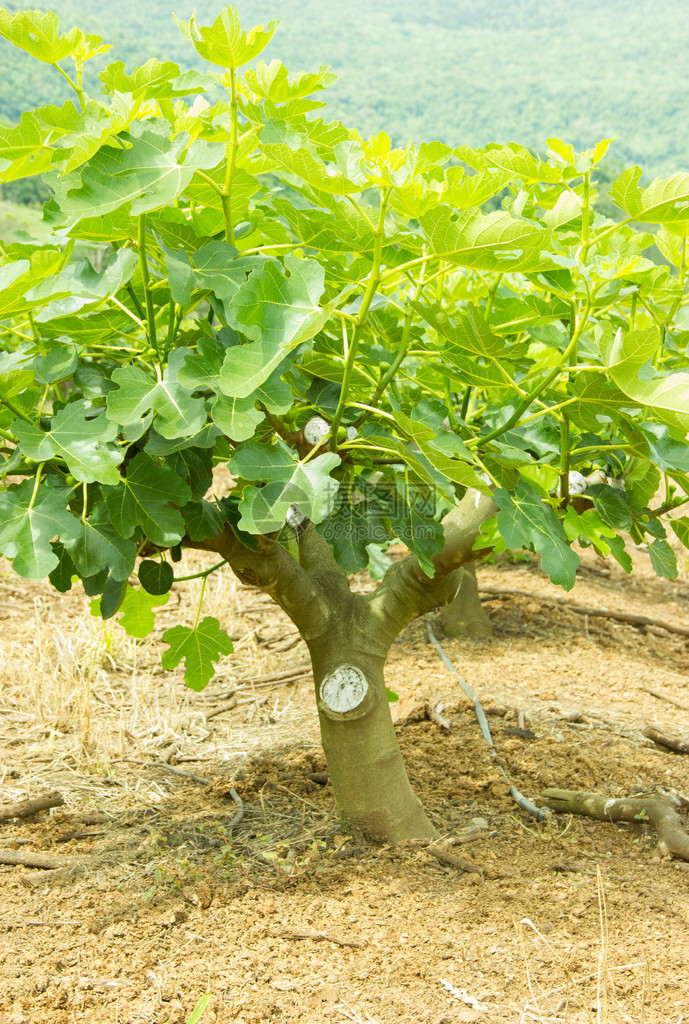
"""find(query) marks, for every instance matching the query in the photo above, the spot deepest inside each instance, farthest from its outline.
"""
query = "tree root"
(673, 840)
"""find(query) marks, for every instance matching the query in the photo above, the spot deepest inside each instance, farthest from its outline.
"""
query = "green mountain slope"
(459, 70)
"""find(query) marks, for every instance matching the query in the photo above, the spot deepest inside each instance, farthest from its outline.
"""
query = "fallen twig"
(24, 808)
(11, 925)
(168, 753)
(663, 740)
(672, 839)
(445, 857)
(179, 771)
(33, 860)
(33, 881)
(229, 705)
(664, 696)
(435, 715)
(581, 609)
(240, 808)
(319, 937)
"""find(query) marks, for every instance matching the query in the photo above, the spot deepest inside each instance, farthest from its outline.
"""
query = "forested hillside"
(458, 70)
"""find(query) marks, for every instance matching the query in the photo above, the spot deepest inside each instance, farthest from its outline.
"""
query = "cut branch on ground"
(663, 740)
(673, 840)
(25, 808)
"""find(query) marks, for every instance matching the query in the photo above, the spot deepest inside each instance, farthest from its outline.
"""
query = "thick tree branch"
(318, 558)
(406, 591)
(462, 526)
(273, 569)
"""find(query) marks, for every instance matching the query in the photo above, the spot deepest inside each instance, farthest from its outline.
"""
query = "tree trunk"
(349, 636)
(465, 615)
(361, 749)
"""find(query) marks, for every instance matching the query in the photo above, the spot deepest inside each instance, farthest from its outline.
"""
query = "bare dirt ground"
(158, 896)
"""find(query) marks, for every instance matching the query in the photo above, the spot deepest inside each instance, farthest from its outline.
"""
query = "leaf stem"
(491, 297)
(373, 282)
(135, 299)
(203, 588)
(39, 473)
(465, 403)
(19, 413)
(406, 266)
(655, 513)
(449, 405)
(603, 234)
(77, 89)
(209, 181)
(231, 157)
(362, 213)
(200, 575)
(402, 353)
(143, 264)
(603, 448)
(540, 387)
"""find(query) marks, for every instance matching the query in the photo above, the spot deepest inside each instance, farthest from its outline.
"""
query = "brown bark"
(24, 808)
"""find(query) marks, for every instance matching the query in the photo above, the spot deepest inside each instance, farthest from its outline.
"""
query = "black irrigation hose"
(541, 813)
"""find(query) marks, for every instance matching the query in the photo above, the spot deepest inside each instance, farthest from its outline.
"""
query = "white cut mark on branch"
(294, 517)
(316, 429)
(344, 689)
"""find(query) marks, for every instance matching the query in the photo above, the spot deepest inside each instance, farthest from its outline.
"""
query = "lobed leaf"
(199, 646)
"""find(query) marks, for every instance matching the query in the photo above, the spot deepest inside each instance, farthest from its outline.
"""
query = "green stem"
(603, 448)
(586, 209)
(683, 265)
(465, 403)
(174, 320)
(231, 156)
(533, 395)
(547, 410)
(573, 356)
(362, 213)
(564, 458)
(373, 282)
(203, 589)
(200, 575)
(143, 264)
(604, 234)
(209, 181)
(19, 413)
(449, 404)
(406, 266)
(670, 507)
(682, 274)
(654, 316)
(37, 481)
(491, 296)
(77, 89)
(135, 299)
(399, 358)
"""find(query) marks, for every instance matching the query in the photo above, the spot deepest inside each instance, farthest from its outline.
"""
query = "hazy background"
(469, 71)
